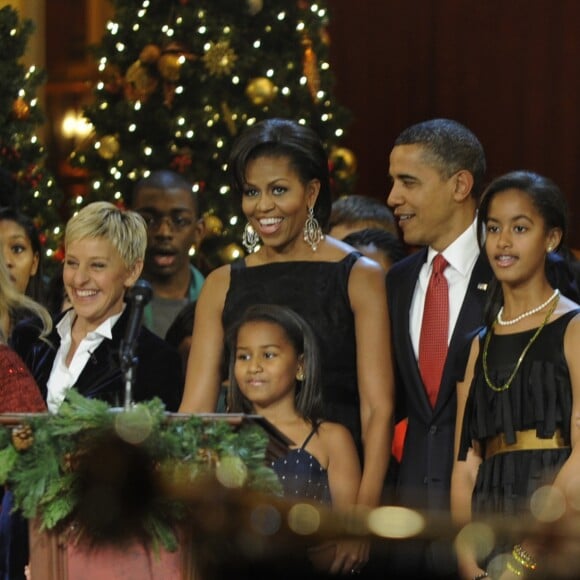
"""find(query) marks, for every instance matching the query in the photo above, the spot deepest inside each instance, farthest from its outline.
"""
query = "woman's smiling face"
(95, 278)
(275, 201)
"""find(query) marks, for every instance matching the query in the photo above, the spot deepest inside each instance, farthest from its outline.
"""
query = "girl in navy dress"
(274, 372)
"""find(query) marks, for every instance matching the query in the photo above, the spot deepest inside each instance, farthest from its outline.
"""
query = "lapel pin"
(482, 286)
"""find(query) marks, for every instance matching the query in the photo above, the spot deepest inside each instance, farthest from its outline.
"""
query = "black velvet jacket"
(158, 374)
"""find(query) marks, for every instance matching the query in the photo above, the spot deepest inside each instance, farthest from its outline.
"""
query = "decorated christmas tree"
(25, 183)
(179, 79)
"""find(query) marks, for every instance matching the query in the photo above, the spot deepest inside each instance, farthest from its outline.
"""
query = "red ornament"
(58, 254)
(181, 163)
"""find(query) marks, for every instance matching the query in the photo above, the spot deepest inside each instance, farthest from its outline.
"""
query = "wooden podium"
(54, 557)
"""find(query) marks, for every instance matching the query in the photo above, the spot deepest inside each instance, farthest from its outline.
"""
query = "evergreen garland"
(106, 475)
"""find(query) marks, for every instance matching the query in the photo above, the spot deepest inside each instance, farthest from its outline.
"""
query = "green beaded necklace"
(508, 383)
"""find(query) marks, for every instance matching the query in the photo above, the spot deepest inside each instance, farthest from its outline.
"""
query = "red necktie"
(434, 329)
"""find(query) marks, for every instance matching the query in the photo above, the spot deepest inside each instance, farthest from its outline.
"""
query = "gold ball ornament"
(150, 54)
(169, 66)
(255, 6)
(230, 253)
(344, 161)
(20, 109)
(213, 225)
(109, 147)
(261, 91)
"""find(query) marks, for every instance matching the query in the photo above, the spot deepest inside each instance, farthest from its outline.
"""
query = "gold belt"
(525, 441)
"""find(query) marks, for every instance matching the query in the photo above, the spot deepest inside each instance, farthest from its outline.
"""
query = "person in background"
(279, 170)
(18, 390)
(519, 402)
(274, 371)
(168, 204)
(22, 251)
(179, 333)
(104, 251)
(377, 244)
(436, 299)
(352, 213)
(19, 393)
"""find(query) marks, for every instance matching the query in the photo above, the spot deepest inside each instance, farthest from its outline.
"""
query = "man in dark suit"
(437, 168)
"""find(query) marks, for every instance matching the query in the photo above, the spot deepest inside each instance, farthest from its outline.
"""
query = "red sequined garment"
(18, 390)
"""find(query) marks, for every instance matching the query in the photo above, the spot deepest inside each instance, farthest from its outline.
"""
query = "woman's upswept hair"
(14, 305)
(302, 338)
(284, 138)
(125, 229)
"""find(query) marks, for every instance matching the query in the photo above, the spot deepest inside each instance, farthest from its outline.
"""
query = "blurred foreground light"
(304, 519)
(395, 522)
(547, 504)
(135, 425)
(573, 493)
(475, 537)
(265, 520)
(231, 471)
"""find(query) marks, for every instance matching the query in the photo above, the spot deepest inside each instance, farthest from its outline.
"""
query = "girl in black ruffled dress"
(515, 433)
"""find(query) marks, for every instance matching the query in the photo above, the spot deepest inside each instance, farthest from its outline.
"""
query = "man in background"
(168, 204)
(352, 213)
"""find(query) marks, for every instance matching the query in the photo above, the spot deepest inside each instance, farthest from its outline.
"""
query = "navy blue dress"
(301, 474)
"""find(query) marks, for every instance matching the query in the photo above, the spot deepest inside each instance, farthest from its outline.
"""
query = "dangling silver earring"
(312, 231)
(250, 239)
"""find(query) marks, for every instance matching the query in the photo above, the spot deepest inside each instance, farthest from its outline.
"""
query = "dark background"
(508, 69)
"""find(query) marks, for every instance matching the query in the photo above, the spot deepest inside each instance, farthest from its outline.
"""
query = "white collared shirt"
(63, 377)
(461, 256)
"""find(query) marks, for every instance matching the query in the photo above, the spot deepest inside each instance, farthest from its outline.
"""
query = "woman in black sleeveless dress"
(279, 169)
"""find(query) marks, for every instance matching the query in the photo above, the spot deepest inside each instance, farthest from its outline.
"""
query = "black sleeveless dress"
(318, 291)
(540, 398)
(301, 475)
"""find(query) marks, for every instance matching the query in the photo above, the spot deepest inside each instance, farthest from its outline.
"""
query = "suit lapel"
(400, 313)
(103, 367)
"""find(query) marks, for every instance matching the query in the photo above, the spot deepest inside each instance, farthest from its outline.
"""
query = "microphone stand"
(137, 296)
(129, 363)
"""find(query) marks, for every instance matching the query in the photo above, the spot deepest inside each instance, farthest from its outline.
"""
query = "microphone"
(138, 296)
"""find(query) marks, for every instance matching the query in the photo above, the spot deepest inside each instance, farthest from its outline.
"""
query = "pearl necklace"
(507, 384)
(503, 322)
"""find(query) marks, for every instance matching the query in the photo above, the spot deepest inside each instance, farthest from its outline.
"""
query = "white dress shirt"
(461, 256)
(63, 377)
